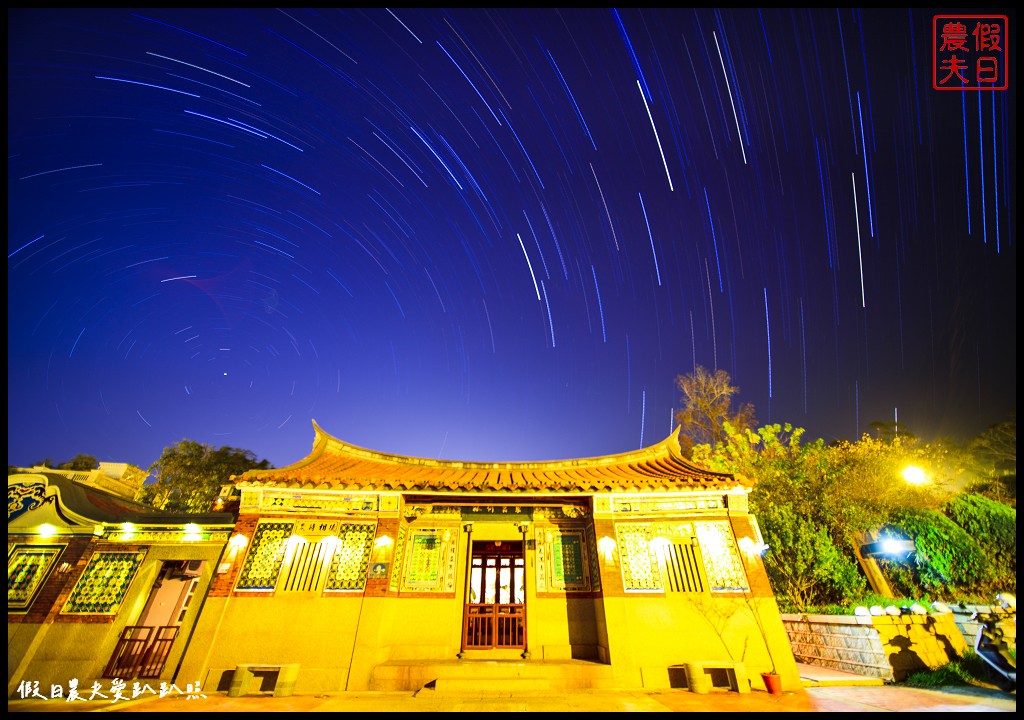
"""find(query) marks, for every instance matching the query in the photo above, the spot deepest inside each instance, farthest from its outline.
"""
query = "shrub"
(807, 568)
(864, 600)
(994, 526)
(946, 557)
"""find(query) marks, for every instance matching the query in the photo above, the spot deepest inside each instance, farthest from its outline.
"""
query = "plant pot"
(772, 682)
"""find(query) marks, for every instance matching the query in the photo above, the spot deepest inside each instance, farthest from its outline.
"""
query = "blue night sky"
(496, 234)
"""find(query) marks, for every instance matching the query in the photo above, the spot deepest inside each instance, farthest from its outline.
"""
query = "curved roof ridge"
(669, 445)
(331, 455)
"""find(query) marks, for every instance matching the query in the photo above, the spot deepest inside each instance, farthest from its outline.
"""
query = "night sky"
(496, 234)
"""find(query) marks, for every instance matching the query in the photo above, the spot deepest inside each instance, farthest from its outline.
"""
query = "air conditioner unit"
(193, 568)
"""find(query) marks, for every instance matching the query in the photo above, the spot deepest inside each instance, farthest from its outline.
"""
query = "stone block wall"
(841, 642)
(887, 647)
(918, 642)
(969, 627)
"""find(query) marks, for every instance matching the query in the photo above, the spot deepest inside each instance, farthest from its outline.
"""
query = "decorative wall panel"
(28, 566)
(640, 571)
(266, 554)
(351, 557)
(396, 571)
(595, 570)
(430, 556)
(104, 584)
(563, 560)
(722, 561)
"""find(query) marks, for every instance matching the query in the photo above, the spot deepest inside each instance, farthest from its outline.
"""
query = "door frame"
(501, 623)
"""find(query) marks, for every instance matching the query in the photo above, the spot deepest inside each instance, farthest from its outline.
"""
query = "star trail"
(226, 223)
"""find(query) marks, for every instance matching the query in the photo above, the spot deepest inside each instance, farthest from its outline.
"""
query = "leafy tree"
(80, 462)
(870, 486)
(810, 560)
(189, 475)
(707, 406)
(814, 500)
(889, 430)
(994, 459)
(807, 568)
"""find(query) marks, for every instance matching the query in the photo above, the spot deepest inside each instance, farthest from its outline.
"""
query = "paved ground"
(886, 698)
(824, 691)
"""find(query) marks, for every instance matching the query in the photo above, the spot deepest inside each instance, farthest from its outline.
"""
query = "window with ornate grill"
(680, 557)
(306, 564)
(681, 565)
(300, 557)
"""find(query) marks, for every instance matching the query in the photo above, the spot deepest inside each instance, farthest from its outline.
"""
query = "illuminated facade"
(373, 571)
(361, 570)
(99, 586)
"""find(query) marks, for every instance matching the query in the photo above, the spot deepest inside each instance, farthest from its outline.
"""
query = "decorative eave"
(336, 465)
(65, 502)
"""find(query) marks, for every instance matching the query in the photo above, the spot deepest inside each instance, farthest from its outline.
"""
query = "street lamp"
(888, 547)
(914, 475)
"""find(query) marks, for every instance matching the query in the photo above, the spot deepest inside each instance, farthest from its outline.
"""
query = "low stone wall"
(841, 642)
(885, 646)
(969, 627)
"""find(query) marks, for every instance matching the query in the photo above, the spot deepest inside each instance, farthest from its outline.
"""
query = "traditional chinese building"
(99, 586)
(364, 570)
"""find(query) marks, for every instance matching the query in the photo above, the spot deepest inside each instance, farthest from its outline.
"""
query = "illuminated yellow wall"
(597, 588)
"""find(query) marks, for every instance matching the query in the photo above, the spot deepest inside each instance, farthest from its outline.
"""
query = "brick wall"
(222, 583)
(611, 575)
(757, 576)
(378, 587)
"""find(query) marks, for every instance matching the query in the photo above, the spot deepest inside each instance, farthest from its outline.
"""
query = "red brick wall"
(611, 573)
(378, 587)
(754, 566)
(221, 585)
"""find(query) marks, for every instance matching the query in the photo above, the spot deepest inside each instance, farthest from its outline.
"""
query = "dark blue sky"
(496, 234)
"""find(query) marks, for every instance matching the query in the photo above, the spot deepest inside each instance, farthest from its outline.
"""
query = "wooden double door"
(495, 613)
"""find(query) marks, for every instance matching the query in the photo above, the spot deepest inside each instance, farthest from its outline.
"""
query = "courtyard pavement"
(823, 691)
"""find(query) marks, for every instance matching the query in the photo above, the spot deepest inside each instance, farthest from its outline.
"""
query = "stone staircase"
(491, 677)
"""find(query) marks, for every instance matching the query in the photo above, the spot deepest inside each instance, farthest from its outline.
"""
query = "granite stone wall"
(885, 646)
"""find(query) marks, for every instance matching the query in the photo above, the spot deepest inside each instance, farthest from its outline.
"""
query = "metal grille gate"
(141, 652)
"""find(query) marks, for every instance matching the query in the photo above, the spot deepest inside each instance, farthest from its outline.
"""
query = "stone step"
(490, 686)
(495, 676)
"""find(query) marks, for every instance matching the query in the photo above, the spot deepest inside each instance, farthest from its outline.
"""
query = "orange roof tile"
(341, 466)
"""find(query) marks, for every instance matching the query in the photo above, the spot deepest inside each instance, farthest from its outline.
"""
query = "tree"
(889, 430)
(80, 462)
(800, 510)
(707, 406)
(994, 455)
(189, 475)
(807, 568)
(815, 503)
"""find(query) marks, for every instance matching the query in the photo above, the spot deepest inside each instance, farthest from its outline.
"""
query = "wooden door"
(495, 616)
